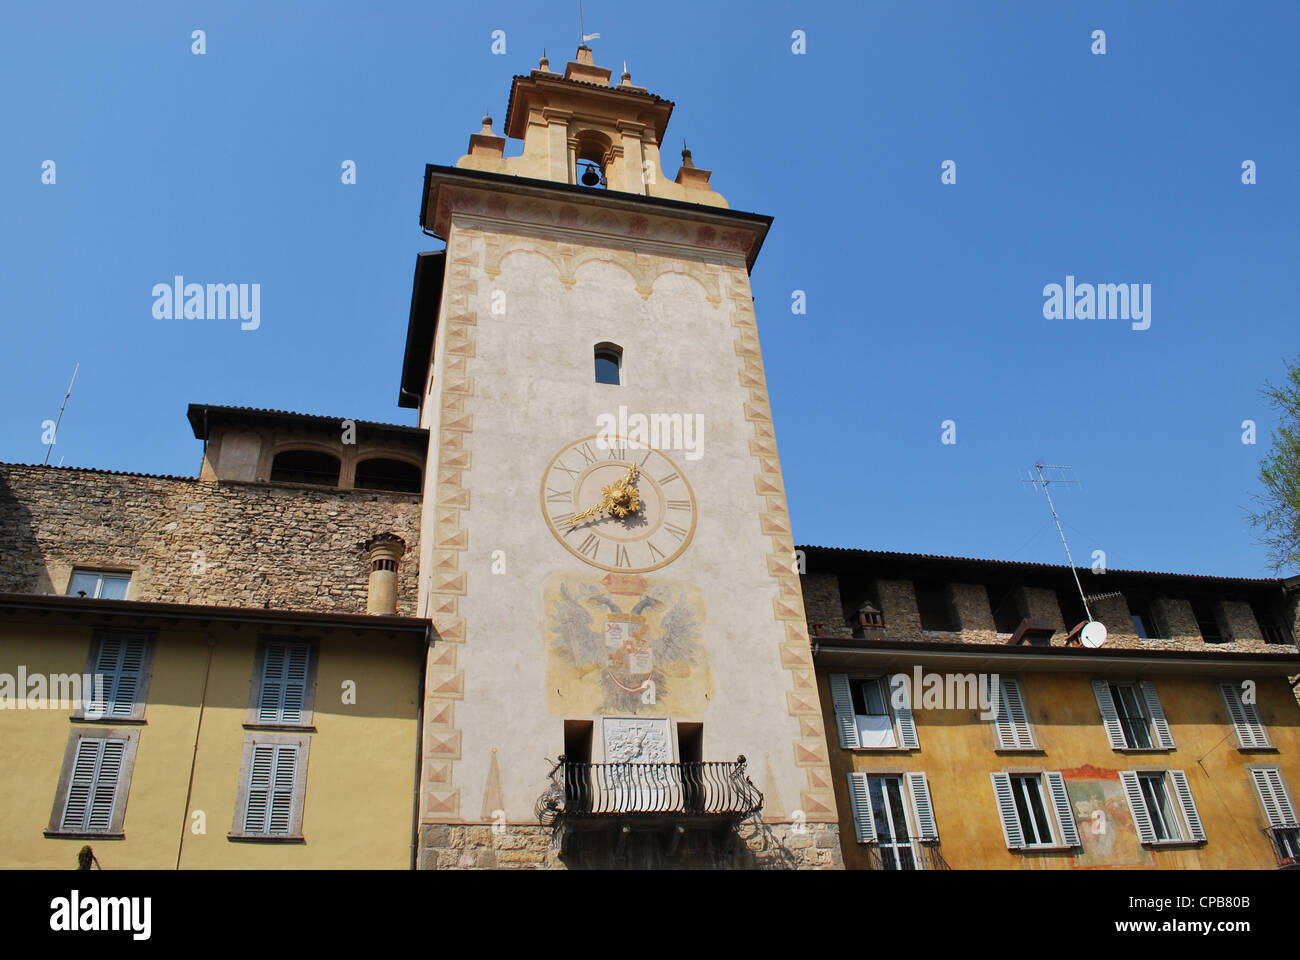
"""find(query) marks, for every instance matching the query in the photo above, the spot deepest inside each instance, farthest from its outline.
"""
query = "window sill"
(110, 721)
(1258, 750)
(61, 835)
(1171, 843)
(262, 838)
(1046, 848)
(882, 749)
(1020, 751)
(282, 727)
(1144, 749)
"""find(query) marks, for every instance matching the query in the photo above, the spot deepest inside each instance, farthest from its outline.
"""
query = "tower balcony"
(589, 795)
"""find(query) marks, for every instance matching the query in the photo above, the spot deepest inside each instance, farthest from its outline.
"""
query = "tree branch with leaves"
(1278, 518)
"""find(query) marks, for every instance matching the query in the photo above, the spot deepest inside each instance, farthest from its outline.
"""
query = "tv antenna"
(1094, 634)
(50, 447)
(582, 29)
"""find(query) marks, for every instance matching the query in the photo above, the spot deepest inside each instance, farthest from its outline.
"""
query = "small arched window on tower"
(381, 473)
(609, 363)
(305, 466)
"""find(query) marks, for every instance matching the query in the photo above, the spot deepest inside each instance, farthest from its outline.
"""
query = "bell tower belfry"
(620, 674)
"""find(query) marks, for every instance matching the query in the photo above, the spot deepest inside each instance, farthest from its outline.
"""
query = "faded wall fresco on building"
(624, 644)
(1105, 822)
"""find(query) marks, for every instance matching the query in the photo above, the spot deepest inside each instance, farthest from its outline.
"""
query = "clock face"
(648, 539)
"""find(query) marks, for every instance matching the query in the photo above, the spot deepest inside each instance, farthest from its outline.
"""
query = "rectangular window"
(272, 788)
(90, 799)
(98, 584)
(1250, 731)
(1035, 810)
(284, 683)
(1026, 789)
(1005, 606)
(1272, 627)
(1283, 826)
(1142, 611)
(894, 813)
(120, 667)
(1132, 718)
(873, 712)
(1163, 823)
(1132, 715)
(1162, 807)
(1014, 730)
(893, 834)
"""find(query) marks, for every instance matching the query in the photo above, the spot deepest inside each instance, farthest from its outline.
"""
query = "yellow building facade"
(177, 784)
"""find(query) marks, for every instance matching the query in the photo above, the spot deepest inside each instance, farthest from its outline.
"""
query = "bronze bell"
(591, 176)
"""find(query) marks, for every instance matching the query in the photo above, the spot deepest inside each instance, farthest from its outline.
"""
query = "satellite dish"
(1094, 634)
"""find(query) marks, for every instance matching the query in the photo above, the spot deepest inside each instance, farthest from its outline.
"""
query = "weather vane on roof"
(582, 29)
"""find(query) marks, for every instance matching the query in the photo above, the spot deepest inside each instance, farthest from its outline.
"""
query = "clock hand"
(621, 498)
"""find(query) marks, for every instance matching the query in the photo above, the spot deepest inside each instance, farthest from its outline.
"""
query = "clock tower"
(620, 673)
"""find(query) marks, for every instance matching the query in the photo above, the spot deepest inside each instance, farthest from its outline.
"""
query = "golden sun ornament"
(620, 499)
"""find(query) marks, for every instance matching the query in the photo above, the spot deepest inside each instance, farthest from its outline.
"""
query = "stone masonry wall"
(1239, 622)
(748, 847)
(1039, 603)
(1177, 622)
(822, 604)
(201, 542)
(1114, 612)
(898, 604)
(971, 601)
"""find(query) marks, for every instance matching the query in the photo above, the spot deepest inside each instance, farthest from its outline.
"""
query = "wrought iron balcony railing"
(1286, 844)
(705, 790)
(923, 855)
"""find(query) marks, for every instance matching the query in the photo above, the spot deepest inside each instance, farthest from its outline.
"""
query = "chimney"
(386, 551)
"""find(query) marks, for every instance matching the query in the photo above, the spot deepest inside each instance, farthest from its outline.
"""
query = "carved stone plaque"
(637, 740)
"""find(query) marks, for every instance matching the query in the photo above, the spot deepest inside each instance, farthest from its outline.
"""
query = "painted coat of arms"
(620, 643)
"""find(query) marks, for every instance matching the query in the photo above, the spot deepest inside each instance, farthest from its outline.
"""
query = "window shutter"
(1064, 811)
(1015, 837)
(919, 787)
(92, 790)
(1164, 737)
(844, 719)
(81, 785)
(1184, 794)
(1137, 806)
(1245, 719)
(1014, 731)
(130, 673)
(903, 714)
(860, 799)
(104, 796)
(281, 816)
(260, 774)
(1109, 715)
(1277, 804)
(284, 682)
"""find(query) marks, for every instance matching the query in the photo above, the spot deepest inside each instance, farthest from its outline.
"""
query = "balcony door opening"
(690, 754)
(577, 765)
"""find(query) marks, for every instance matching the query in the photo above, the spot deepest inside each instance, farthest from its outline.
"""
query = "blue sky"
(924, 300)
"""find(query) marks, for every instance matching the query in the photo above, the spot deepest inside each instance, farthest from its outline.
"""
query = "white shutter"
(271, 778)
(919, 788)
(903, 715)
(1013, 728)
(1137, 806)
(1184, 794)
(1277, 803)
(860, 799)
(1064, 810)
(847, 723)
(1015, 837)
(1245, 719)
(1164, 737)
(1109, 715)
